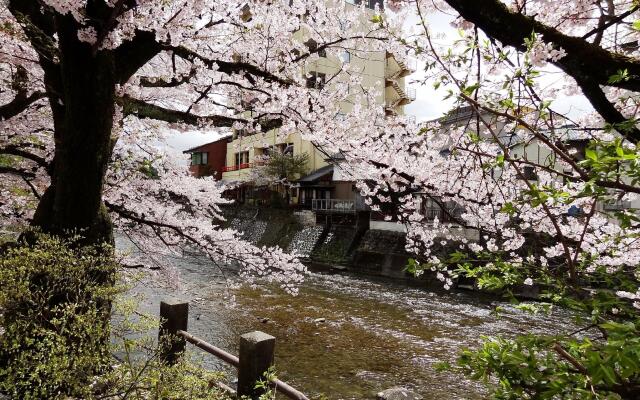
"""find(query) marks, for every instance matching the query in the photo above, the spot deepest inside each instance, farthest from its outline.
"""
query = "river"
(344, 336)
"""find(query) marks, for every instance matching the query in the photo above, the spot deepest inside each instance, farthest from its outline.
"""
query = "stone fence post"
(256, 357)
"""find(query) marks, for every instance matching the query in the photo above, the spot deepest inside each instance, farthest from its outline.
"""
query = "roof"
(195, 149)
(317, 174)
(458, 114)
(335, 157)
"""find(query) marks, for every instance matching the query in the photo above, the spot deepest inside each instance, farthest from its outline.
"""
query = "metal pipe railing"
(211, 349)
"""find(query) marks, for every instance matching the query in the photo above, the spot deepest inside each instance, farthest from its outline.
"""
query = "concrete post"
(256, 356)
(174, 316)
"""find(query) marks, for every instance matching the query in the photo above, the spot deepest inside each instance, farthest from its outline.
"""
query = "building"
(533, 150)
(324, 188)
(209, 159)
(377, 69)
(244, 150)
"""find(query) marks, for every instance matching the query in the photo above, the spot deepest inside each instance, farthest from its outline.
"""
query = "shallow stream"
(344, 336)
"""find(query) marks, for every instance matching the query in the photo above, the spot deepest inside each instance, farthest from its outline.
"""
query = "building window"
(199, 158)
(288, 149)
(345, 57)
(242, 159)
(368, 3)
(316, 80)
(312, 45)
(529, 173)
(372, 4)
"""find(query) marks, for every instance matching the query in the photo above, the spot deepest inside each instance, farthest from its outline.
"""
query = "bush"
(54, 299)
(61, 340)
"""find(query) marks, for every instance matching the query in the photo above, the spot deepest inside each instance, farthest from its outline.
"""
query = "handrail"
(333, 205)
(288, 391)
(211, 349)
(229, 358)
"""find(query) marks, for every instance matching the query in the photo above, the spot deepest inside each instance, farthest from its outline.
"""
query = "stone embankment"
(337, 247)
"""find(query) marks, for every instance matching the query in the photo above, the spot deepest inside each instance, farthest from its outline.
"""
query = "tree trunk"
(73, 203)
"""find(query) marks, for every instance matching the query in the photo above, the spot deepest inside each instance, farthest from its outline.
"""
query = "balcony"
(333, 206)
(410, 93)
(229, 168)
(617, 205)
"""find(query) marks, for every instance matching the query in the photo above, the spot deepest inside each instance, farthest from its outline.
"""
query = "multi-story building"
(377, 70)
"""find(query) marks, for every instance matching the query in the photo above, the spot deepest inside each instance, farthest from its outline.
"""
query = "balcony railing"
(617, 205)
(237, 167)
(411, 93)
(334, 206)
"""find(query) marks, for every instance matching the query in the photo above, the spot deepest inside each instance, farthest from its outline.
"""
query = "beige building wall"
(377, 70)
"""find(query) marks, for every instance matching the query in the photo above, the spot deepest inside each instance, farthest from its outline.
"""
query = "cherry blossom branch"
(19, 104)
(589, 64)
(583, 60)
(226, 66)
(145, 110)
(163, 83)
(132, 55)
(475, 105)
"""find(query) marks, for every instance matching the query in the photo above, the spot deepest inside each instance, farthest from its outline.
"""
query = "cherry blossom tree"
(92, 88)
(529, 194)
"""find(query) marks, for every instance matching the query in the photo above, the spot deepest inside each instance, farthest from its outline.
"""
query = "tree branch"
(132, 55)
(602, 27)
(19, 104)
(17, 151)
(163, 83)
(142, 109)
(606, 109)
(16, 171)
(584, 61)
(226, 66)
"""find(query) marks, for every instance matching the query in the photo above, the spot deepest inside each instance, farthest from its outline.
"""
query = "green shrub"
(54, 299)
(67, 334)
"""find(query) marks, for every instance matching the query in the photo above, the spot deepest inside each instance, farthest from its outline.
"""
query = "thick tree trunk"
(83, 124)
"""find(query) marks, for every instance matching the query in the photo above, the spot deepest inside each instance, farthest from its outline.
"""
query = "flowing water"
(347, 337)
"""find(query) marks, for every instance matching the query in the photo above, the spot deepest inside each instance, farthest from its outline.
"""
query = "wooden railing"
(255, 358)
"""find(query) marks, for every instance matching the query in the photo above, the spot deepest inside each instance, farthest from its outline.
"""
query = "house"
(209, 159)
(377, 68)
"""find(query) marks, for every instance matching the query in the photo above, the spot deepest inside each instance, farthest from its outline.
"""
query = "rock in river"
(398, 393)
